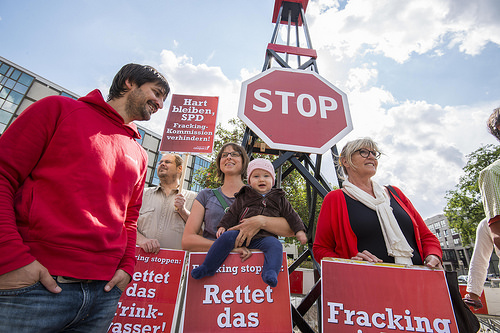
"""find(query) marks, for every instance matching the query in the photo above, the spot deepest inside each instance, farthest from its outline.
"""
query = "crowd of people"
(73, 208)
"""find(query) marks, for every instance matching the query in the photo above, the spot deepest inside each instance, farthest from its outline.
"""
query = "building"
(19, 88)
(456, 255)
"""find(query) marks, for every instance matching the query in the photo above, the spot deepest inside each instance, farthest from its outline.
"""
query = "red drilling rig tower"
(300, 60)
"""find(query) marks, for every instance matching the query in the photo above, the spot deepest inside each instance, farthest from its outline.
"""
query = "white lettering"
(444, 323)
(211, 291)
(323, 108)
(284, 100)
(258, 96)
(312, 105)
(376, 316)
(334, 312)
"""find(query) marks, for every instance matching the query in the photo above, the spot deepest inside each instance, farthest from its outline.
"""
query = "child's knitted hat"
(263, 164)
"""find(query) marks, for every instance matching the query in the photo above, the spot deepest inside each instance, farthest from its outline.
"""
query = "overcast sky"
(421, 76)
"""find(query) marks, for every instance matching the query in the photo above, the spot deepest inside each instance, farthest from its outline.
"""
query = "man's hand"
(27, 276)
(120, 279)
(179, 202)
(149, 245)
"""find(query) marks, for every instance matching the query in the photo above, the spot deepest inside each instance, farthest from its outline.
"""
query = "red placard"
(190, 125)
(360, 297)
(236, 299)
(297, 282)
(484, 309)
(148, 303)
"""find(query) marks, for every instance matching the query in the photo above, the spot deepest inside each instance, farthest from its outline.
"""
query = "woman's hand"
(433, 261)
(248, 228)
(244, 252)
(366, 256)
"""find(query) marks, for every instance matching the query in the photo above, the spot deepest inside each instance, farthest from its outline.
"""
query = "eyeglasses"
(365, 153)
(233, 154)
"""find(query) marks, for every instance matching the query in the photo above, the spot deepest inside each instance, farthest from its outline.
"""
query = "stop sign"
(295, 110)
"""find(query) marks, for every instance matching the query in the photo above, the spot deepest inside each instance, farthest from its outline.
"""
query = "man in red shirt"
(71, 183)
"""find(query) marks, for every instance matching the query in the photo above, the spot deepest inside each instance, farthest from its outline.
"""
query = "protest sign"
(484, 309)
(190, 124)
(148, 303)
(364, 298)
(236, 299)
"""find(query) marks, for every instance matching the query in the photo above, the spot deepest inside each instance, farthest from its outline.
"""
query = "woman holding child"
(207, 210)
(365, 221)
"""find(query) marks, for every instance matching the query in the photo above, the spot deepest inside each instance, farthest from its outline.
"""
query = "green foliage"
(207, 178)
(464, 207)
(294, 184)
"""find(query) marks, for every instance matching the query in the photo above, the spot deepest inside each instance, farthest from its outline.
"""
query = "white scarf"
(395, 241)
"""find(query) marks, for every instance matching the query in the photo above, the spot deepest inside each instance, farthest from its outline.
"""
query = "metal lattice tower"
(290, 15)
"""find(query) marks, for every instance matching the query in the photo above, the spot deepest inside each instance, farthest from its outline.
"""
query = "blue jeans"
(79, 307)
(220, 249)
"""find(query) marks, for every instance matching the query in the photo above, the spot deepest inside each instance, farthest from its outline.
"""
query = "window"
(15, 97)
(142, 133)
(21, 88)
(150, 142)
(4, 68)
(67, 95)
(15, 75)
(13, 86)
(26, 79)
(5, 117)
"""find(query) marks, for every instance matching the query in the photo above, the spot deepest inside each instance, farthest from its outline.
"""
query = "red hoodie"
(71, 182)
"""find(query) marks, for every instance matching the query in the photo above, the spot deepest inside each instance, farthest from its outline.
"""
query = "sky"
(421, 76)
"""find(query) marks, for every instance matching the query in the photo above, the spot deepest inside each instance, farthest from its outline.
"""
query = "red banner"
(148, 303)
(236, 299)
(190, 124)
(361, 297)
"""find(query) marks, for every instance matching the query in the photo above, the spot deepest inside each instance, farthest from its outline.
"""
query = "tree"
(464, 207)
(294, 184)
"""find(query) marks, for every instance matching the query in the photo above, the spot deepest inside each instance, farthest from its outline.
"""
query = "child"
(259, 198)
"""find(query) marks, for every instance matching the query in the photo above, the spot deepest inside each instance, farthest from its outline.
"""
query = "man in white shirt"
(165, 208)
(488, 230)
(479, 264)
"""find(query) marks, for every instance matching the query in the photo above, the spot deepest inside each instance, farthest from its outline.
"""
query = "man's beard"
(136, 106)
(168, 178)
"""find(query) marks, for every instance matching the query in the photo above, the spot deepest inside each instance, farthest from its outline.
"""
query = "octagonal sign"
(295, 110)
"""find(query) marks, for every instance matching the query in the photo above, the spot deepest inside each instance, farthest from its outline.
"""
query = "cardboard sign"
(364, 298)
(190, 125)
(484, 309)
(236, 299)
(148, 303)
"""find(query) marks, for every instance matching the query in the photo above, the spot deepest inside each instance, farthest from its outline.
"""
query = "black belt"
(67, 279)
